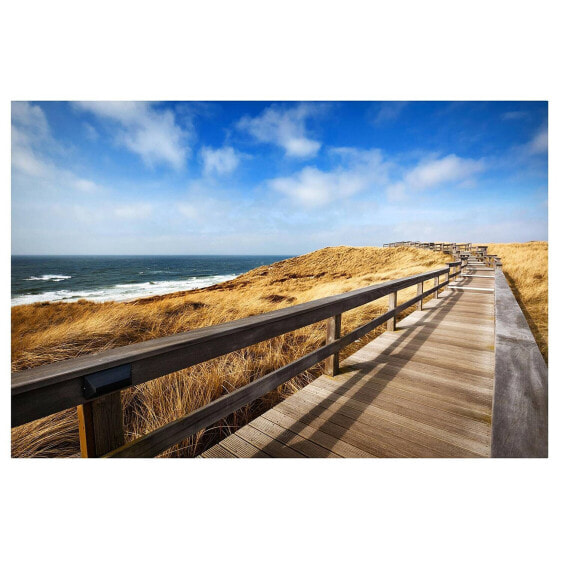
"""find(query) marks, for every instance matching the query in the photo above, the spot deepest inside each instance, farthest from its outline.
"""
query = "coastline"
(38, 279)
(157, 290)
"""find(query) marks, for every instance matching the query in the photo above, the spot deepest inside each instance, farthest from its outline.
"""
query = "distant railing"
(446, 247)
(94, 382)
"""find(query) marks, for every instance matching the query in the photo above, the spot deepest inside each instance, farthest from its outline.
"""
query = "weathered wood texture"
(520, 405)
(392, 302)
(333, 333)
(424, 390)
(100, 424)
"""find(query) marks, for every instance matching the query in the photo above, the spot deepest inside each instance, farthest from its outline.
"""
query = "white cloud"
(220, 161)
(32, 149)
(389, 111)
(360, 170)
(396, 192)
(206, 209)
(189, 210)
(312, 187)
(133, 211)
(538, 144)
(285, 128)
(144, 130)
(514, 115)
(435, 172)
(85, 185)
(25, 161)
(91, 132)
(29, 121)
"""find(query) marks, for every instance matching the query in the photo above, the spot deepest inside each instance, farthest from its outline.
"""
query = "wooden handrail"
(44, 390)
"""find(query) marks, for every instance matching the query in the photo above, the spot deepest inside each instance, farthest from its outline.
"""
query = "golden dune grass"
(44, 333)
(525, 268)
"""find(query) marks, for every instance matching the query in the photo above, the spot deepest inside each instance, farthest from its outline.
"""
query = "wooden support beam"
(333, 333)
(419, 292)
(436, 284)
(392, 302)
(86, 430)
(100, 425)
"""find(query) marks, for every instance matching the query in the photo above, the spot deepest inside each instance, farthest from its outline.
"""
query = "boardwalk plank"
(320, 437)
(434, 435)
(375, 439)
(414, 410)
(476, 342)
(468, 404)
(431, 375)
(266, 443)
(371, 424)
(293, 439)
(423, 341)
(241, 448)
(218, 451)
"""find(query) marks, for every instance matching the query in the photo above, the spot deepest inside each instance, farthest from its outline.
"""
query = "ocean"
(118, 278)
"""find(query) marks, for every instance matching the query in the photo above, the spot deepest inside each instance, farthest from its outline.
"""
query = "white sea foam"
(54, 278)
(122, 292)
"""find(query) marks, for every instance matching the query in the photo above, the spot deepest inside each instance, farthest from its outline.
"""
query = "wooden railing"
(93, 382)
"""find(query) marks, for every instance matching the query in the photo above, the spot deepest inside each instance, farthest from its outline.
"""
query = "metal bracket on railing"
(107, 381)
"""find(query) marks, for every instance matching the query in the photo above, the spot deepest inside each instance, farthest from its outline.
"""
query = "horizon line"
(152, 254)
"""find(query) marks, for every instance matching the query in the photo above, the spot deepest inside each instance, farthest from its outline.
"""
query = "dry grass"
(525, 267)
(44, 333)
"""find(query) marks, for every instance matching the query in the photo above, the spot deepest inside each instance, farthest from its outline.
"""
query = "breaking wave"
(118, 292)
(54, 278)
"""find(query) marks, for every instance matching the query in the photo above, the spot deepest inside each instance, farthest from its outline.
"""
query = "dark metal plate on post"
(107, 381)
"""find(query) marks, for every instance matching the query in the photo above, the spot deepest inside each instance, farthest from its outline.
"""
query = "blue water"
(104, 278)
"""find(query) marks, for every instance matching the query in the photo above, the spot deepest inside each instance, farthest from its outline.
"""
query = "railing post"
(333, 333)
(392, 302)
(100, 425)
(436, 284)
(419, 292)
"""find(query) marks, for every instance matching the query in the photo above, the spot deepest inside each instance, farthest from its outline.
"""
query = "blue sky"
(273, 177)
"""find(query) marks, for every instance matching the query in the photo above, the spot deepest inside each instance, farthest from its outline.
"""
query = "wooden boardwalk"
(424, 390)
